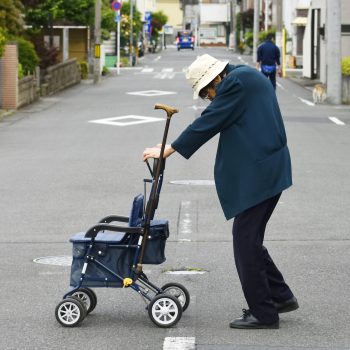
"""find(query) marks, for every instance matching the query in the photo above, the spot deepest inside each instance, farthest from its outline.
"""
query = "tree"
(27, 55)
(11, 20)
(159, 19)
(44, 13)
(107, 19)
(125, 24)
(2, 41)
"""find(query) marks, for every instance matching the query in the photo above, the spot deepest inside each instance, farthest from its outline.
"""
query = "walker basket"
(118, 252)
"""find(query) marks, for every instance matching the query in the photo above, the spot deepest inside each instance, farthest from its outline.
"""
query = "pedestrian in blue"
(267, 59)
(252, 169)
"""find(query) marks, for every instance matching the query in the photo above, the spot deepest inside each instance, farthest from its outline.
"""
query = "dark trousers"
(272, 77)
(262, 282)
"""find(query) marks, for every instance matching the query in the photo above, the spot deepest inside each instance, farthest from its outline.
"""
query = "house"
(172, 9)
(315, 39)
(71, 41)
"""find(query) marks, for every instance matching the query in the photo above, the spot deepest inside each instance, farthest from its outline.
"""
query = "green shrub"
(105, 70)
(241, 47)
(27, 55)
(248, 39)
(345, 66)
(2, 41)
(20, 71)
(124, 61)
(84, 69)
(263, 35)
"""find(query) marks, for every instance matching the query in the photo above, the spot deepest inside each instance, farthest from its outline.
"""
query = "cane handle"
(169, 110)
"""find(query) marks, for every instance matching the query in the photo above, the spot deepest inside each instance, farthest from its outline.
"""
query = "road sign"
(117, 17)
(116, 5)
(148, 16)
(148, 20)
(168, 29)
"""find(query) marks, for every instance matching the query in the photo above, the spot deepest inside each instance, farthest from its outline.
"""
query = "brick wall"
(9, 78)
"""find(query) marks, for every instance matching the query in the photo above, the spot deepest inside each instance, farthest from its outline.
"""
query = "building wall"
(146, 6)
(172, 9)
(345, 15)
(211, 13)
(77, 42)
(345, 39)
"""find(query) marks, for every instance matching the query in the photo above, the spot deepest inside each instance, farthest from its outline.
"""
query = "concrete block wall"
(28, 91)
(60, 76)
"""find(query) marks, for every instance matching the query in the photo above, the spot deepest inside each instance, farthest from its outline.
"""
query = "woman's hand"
(154, 152)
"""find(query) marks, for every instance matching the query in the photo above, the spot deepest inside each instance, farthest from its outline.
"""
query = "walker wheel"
(178, 291)
(88, 297)
(70, 312)
(164, 310)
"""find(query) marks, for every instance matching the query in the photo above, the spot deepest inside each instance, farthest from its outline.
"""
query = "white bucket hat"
(202, 71)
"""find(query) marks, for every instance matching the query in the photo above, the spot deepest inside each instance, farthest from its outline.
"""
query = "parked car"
(185, 40)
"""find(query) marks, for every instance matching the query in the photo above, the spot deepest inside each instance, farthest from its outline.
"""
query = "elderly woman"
(252, 169)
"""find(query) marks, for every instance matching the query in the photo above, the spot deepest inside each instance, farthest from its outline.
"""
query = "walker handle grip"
(169, 110)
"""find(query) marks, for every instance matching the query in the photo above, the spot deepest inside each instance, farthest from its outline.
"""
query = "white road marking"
(197, 107)
(167, 73)
(157, 58)
(185, 226)
(336, 121)
(179, 343)
(147, 70)
(185, 272)
(309, 103)
(151, 93)
(280, 86)
(242, 60)
(164, 75)
(125, 120)
(194, 182)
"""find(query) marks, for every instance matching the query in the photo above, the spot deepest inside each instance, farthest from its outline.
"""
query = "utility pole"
(267, 10)
(232, 40)
(256, 29)
(131, 34)
(97, 73)
(279, 23)
(333, 44)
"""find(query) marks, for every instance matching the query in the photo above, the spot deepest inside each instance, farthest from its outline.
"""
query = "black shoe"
(287, 306)
(248, 321)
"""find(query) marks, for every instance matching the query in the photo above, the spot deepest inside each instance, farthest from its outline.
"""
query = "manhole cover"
(54, 260)
(194, 182)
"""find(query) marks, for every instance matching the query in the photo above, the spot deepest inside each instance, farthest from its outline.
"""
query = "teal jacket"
(252, 161)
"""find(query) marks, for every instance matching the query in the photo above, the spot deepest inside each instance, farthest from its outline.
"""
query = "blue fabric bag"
(268, 69)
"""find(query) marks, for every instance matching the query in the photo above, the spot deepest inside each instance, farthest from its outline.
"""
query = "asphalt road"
(61, 173)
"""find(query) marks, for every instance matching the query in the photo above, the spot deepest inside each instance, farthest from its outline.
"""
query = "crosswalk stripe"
(336, 120)
(179, 343)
